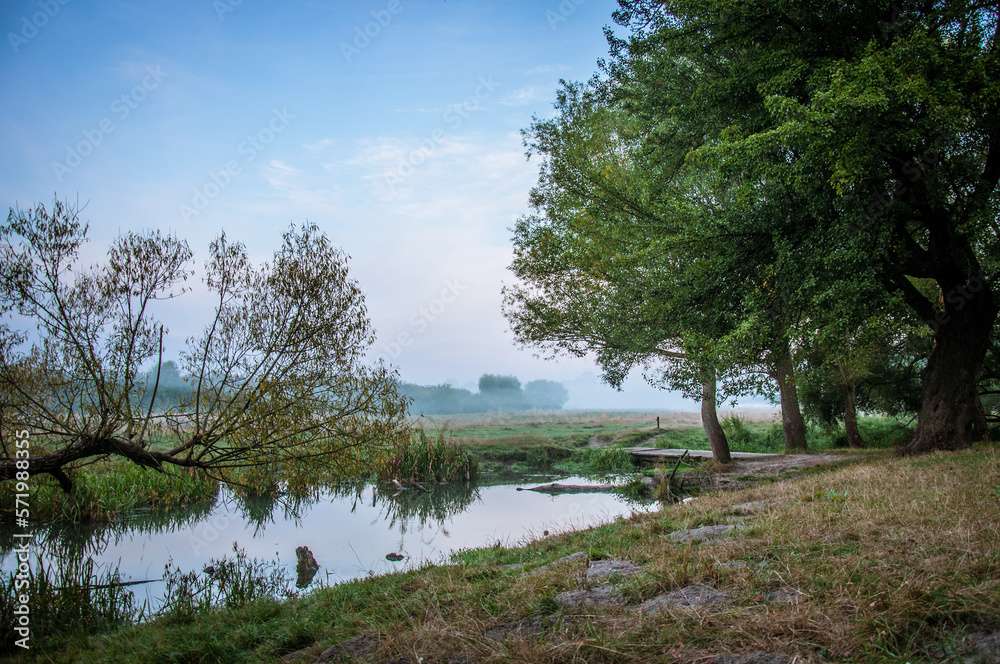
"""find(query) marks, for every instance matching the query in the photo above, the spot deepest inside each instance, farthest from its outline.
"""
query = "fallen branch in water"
(570, 488)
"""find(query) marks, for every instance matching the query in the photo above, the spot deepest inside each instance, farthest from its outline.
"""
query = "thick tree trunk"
(981, 428)
(792, 424)
(53, 463)
(854, 438)
(951, 407)
(710, 421)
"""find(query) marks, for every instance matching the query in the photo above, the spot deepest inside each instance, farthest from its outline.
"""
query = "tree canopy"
(797, 172)
(275, 380)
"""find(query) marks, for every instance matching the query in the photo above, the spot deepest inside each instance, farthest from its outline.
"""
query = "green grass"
(569, 428)
(426, 459)
(73, 599)
(897, 559)
(110, 488)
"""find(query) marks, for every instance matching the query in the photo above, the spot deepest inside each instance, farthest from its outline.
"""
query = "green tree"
(501, 393)
(861, 133)
(497, 383)
(545, 394)
(599, 262)
(276, 379)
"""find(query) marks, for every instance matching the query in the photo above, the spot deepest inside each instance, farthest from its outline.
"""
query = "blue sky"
(394, 125)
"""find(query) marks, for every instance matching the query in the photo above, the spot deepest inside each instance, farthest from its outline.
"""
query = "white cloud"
(547, 69)
(522, 96)
(320, 145)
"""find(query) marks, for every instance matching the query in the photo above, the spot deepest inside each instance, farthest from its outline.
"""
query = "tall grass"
(75, 599)
(426, 459)
(227, 583)
(108, 489)
(877, 432)
(605, 459)
(78, 598)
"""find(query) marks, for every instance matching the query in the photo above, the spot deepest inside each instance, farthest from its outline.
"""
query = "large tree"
(629, 256)
(876, 123)
(276, 380)
(598, 263)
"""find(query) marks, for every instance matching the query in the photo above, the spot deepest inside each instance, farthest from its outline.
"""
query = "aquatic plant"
(425, 459)
(73, 599)
(223, 584)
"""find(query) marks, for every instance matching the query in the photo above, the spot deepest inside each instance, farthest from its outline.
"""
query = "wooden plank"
(570, 488)
(666, 454)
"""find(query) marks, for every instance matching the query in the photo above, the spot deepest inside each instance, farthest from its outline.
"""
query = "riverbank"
(883, 559)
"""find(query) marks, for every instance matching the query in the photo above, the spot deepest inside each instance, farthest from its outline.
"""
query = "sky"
(394, 125)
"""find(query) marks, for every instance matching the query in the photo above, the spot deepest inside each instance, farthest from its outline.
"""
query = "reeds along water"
(74, 598)
(426, 459)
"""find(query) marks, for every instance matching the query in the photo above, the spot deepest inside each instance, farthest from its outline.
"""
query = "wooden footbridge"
(657, 455)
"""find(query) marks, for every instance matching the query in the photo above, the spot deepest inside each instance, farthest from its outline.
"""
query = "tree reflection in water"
(62, 540)
(402, 510)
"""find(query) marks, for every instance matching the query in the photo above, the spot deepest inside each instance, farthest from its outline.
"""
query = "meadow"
(884, 559)
(489, 448)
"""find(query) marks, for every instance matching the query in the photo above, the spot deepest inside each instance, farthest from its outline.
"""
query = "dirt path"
(744, 473)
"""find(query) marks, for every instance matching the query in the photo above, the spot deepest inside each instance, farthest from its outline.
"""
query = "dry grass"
(885, 560)
(894, 559)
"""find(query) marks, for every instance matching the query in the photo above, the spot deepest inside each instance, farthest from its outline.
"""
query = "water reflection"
(61, 540)
(349, 528)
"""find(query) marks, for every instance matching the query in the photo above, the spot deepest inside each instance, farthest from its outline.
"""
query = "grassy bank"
(508, 445)
(886, 560)
(496, 447)
(110, 488)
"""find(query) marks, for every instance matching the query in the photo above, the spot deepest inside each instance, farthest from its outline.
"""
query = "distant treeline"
(170, 389)
(496, 394)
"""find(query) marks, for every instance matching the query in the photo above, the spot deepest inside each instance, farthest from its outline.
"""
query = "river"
(349, 529)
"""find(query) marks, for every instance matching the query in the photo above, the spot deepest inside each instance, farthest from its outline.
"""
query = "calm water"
(350, 530)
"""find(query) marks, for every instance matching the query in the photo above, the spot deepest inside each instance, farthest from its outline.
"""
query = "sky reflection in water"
(348, 532)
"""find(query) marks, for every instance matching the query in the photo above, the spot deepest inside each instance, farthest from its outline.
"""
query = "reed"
(226, 583)
(74, 599)
(426, 459)
(108, 489)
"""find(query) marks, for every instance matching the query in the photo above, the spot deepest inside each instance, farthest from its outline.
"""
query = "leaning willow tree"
(277, 382)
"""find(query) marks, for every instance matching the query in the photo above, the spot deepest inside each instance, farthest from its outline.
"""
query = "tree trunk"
(981, 428)
(791, 417)
(854, 438)
(951, 405)
(710, 421)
